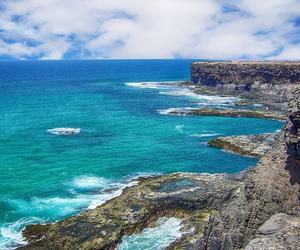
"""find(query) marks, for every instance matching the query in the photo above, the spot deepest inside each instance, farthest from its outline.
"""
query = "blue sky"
(97, 29)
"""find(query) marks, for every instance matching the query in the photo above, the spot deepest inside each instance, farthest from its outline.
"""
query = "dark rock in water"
(224, 112)
(64, 131)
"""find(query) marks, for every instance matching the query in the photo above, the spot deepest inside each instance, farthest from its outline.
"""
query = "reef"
(255, 209)
(226, 112)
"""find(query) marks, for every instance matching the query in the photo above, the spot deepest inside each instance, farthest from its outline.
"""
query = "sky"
(147, 29)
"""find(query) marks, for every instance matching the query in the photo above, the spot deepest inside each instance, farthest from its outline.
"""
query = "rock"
(250, 145)
(254, 80)
(224, 112)
(279, 232)
(64, 131)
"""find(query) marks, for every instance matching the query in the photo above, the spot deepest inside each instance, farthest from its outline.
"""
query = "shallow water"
(45, 177)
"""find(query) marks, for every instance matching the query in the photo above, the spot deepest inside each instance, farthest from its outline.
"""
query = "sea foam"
(171, 110)
(204, 135)
(152, 85)
(167, 230)
(11, 233)
(85, 192)
(173, 89)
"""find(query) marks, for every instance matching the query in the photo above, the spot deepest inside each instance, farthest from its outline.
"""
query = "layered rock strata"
(256, 80)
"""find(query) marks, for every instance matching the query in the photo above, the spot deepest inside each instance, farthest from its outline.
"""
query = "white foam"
(172, 89)
(58, 207)
(167, 230)
(207, 99)
(90, 182)
(64, 131)
(204, 135)
(10, 233)
(171, 110)
(144, 85)
(152, 85)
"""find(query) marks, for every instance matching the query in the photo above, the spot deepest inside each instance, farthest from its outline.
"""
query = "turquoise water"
(45, 177)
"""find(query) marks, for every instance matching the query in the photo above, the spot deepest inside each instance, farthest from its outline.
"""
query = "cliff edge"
(256, 80)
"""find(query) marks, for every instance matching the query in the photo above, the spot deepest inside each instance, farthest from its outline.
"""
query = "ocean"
(120, 107)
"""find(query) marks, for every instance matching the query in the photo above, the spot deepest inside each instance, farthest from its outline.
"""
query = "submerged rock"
(224, 112)
(64, 131)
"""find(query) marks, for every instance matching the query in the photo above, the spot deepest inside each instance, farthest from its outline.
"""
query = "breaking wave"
(167, 230)
(173, 89)
(84, 192)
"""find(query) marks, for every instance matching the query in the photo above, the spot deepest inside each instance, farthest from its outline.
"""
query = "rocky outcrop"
(246, 75)
(281, 232)
(251, 79)
(249, 145)
(225, 112)
(194, 198)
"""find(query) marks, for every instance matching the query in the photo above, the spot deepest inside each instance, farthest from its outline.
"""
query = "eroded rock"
(250, 145)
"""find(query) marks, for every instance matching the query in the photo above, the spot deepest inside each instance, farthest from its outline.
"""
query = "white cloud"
(49, 29)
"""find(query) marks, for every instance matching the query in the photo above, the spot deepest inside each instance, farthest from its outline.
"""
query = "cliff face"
(262, 78)
(292, 128)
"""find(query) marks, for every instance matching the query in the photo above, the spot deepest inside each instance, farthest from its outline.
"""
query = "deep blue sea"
(119, 105)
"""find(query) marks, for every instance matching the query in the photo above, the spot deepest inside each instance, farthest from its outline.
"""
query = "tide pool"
(117, 105)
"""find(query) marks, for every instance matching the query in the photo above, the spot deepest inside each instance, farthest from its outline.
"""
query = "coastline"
(227, 211)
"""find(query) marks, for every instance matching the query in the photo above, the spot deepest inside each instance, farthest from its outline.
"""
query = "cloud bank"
(212, 29)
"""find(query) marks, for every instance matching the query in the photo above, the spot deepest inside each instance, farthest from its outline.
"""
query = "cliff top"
(250, 62)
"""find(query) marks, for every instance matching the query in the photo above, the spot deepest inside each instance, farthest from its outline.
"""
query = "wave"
(171, 110)
(206, 99)
(167, 230)
(90, 182)
(173, 89)
(11, 233)
(84, 192)
(204, 135)
(152, 85)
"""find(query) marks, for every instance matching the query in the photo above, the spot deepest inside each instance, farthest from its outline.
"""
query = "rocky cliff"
(273, 79)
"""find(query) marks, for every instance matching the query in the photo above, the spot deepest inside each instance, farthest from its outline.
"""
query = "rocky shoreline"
(254, 209)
